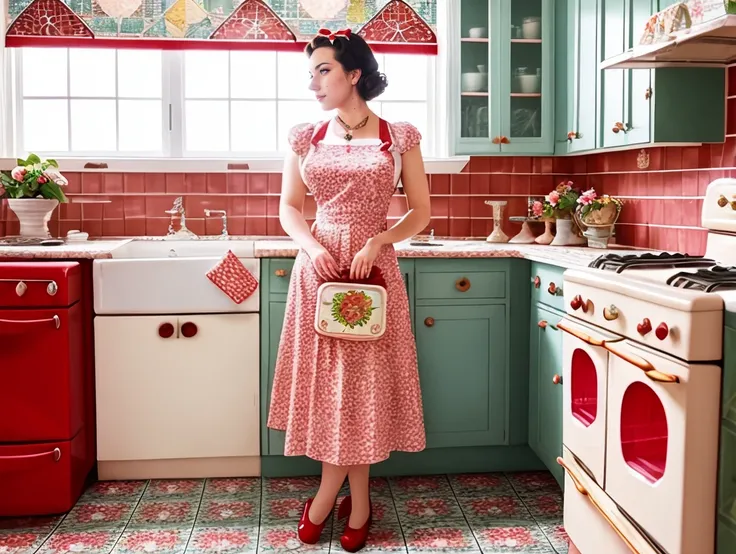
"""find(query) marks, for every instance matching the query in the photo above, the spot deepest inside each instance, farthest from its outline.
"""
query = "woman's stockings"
(332, 479)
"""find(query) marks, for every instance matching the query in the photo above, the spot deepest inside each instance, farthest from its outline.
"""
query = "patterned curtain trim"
(198, 25)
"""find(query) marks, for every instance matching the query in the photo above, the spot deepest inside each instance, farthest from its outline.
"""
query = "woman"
(348, 404)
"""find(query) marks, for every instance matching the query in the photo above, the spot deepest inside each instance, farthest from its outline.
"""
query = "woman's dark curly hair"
(354, 53)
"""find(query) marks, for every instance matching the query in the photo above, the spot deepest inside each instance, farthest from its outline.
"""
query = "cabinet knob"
(557, 379)
(429, 322)
(496, 140)
(280, 273)
(505, 140)
(165, 330)
(662, 331)
(536, 281)
(554, 290)
(188, 329)
(462, 284)
(648, 93)
(610, 313)
(542, 324)
(644, 327)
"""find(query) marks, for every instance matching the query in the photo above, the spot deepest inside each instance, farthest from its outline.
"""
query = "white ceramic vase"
(566, 234)
(34, 215)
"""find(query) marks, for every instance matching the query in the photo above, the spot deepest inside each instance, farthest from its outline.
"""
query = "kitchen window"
(83, 102)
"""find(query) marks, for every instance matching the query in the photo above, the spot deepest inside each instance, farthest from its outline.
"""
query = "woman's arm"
(291, 216)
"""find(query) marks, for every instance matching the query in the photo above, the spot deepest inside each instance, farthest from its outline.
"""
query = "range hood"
(708, 44)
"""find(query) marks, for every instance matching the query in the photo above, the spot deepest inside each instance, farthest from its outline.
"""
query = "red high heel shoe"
(309, 532)
(353, 540)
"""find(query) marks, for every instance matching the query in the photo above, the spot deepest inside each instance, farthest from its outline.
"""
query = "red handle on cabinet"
(165, 330)
(188, 329)
(16, 326)
(25, 461)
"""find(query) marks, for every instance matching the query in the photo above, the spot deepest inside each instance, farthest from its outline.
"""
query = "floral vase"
(34, 215)
(566, 234)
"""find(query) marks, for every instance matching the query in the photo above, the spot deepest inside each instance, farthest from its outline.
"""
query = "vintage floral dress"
(346, 402)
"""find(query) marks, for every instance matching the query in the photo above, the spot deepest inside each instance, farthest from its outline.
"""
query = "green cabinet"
(501, 96)
(726, 535)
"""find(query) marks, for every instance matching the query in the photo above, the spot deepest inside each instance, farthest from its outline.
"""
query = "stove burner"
(664, 260)
(715, 279)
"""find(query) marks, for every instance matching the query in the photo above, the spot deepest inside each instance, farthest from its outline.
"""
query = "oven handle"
(582, 490)
(20, 325)
(645, 365)
(580, 335)
(27, 461)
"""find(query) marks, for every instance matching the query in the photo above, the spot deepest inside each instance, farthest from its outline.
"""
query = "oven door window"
(583, 388)
(644, 432)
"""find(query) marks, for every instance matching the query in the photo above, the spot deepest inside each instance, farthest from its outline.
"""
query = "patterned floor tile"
(382, 537)
(164, 513)
(384, 510)
(114, 490)
(480, 483)
(533, 481)
(557, 536)
(21, 542)
(227, 510)
(89, 542)
(29, 524)
(247, 487)
(432, 485)
(428, 508)
(282, 508)
(174, 488)
(98, 514)
(224, 540)
(290, 485)
(544, 506)
(516, 538)
(439, 537)
(499, 507)
(283, 538)
(160, 541)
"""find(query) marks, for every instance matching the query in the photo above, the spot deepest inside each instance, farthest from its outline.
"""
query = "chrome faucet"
(178, 209)
(224, 234)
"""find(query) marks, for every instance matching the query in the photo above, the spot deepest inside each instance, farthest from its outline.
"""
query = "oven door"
(662, 446)
(584, 393)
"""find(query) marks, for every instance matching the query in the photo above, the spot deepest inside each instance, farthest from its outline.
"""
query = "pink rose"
(553, 197)
(588, 197)
(42, 180)
(537, 208)
(18, 173)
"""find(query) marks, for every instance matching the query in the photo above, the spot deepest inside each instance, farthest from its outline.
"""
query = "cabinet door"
(545, 388)
(583, 21)
(614, 39)
(407, 270)
(276, 312)
(638, 109)
(462, 369)
(177, 397)
(526, 50)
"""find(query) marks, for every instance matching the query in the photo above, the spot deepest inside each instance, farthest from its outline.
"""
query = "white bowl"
(478, 32)
(528, 84)
(474, 82)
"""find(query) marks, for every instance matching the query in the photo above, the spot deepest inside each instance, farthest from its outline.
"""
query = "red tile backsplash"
(662, 200)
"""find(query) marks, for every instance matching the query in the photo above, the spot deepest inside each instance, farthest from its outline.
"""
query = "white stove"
(642, 373)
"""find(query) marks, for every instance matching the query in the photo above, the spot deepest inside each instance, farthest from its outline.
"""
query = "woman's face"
(331, 85)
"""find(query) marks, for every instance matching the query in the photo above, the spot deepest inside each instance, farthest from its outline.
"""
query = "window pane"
(294, 75)
(207, 126)
(140, 126)
(414, 113)
(407, 77)
(44, 72)
(297, 111)
(92, 72)
(45, 126)
(205, 74)
(139, 74)
(94, 125)
(253, 126)
(252, 74)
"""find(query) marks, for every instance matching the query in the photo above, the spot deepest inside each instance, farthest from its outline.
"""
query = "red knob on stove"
(576, 303)
(165, 330)
(644, 327)
(662, 331)
(188, 329)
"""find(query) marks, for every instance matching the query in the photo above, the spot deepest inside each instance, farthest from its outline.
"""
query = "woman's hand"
(324, 264)
(364, 259)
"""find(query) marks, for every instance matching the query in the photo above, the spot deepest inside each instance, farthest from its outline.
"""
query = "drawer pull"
(280, 273)
(536, 281)
(165, 330)
(24, 462)
(462, 284)
(188, 329)
(11, 326)
(554, 290)
(544, 324)
(429, 322)
(556, 379)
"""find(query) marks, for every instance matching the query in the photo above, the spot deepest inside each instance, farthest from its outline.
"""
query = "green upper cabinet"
(502, 89)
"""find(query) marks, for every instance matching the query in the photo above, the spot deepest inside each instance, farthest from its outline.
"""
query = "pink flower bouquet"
(598, 210)
(34, 178)
(559, 203)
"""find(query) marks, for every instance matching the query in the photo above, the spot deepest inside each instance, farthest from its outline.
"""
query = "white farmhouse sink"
(169, 277)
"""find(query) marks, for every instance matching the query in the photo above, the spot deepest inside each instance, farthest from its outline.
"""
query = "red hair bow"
(332, 36)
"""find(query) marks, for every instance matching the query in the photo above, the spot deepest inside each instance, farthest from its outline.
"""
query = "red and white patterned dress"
(347, 402)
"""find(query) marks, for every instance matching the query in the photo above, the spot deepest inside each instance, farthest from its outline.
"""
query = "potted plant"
(597, 215)
(33, 189)
(560, 205)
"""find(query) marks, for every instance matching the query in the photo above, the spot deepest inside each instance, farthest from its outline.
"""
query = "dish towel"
(233, 278)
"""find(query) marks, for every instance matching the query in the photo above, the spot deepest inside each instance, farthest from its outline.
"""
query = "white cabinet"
(177, 397)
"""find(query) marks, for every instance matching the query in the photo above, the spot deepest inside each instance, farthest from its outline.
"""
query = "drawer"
(279, 275)
(546, 285)
(460, 280)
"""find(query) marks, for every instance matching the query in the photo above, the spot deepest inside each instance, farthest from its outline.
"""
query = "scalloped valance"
(389, 26)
